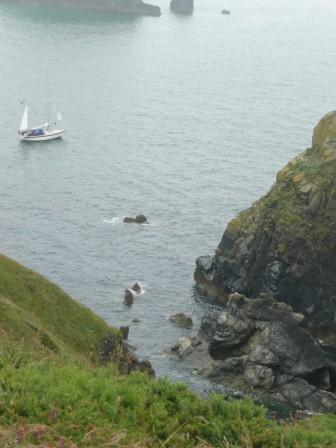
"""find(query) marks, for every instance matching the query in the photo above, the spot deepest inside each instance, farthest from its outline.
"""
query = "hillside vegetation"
(37, 312)
(53, 394)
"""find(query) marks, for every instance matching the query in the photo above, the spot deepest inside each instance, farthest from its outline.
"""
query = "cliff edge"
(38, 315)
(285, 243)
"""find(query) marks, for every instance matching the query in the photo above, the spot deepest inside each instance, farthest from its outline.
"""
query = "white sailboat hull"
(48, 135)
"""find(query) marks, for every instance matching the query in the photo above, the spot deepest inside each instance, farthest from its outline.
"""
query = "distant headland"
(133, 7)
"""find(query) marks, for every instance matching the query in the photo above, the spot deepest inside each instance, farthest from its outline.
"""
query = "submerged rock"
(258, 347)
(285, 244)
(139, 219)
(181, 320)
(182, 6)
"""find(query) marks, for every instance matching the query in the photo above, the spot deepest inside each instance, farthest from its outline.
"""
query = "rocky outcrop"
(182, 6)
(139, 219)
(137, 288)
(181, 320)
(285, 244)
(259, 347)
(128, 297)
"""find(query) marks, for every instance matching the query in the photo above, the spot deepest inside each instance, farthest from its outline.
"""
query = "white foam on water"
(142, 290)
(113, 220)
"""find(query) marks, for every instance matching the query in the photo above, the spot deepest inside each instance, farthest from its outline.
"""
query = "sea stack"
(285, 243)
(182, 6)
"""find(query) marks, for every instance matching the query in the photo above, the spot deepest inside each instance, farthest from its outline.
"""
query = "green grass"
(65, 403)
(53, 395)
(34, 310)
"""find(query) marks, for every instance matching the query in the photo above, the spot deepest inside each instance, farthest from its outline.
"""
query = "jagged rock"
(139, 219)
(129, 7)
(181, 320)
(113, 349)
(285, 244)
(136, 288)
(259, 346)
(129, 297)
(184, 344)
(182, 6)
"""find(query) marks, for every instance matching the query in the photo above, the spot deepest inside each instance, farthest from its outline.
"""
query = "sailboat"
(39, 133)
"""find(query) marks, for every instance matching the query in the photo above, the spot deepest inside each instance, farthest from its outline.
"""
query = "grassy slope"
(48, 400)
(36, 311)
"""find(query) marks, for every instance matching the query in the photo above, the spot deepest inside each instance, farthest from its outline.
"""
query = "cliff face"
(285, 244)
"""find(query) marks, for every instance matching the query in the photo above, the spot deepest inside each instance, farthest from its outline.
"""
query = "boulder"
(226, 12)
(260, 347)
(113, 349)
(182, 6)
(139, 219)
(136, 288)
(181, 320)
(184, 344)
(129, 297)
(284, 245)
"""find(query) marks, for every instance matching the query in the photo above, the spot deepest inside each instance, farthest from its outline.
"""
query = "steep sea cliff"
(273, 271)
(285, 243)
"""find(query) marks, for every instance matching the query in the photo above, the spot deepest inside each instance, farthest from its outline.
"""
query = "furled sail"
(24, 126)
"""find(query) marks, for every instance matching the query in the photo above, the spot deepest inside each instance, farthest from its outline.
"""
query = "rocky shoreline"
(285, 244)
(273, 272)
(257, 346)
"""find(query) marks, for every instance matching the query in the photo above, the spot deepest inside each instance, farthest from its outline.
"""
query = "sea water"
(185, 119)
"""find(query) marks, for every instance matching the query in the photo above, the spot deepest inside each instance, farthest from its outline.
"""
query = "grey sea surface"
(183, 119)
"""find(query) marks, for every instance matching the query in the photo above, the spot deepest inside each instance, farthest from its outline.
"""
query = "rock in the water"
(226, 12)
(182, 320)
(183, 345)
(129, 297)
(124, 331)
(182, 6)
(139, 219)
(136, 288)
(285, 244)
(258, 346)
(136, 321)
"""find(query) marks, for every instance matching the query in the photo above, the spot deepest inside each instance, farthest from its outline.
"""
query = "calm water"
(184, 119)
